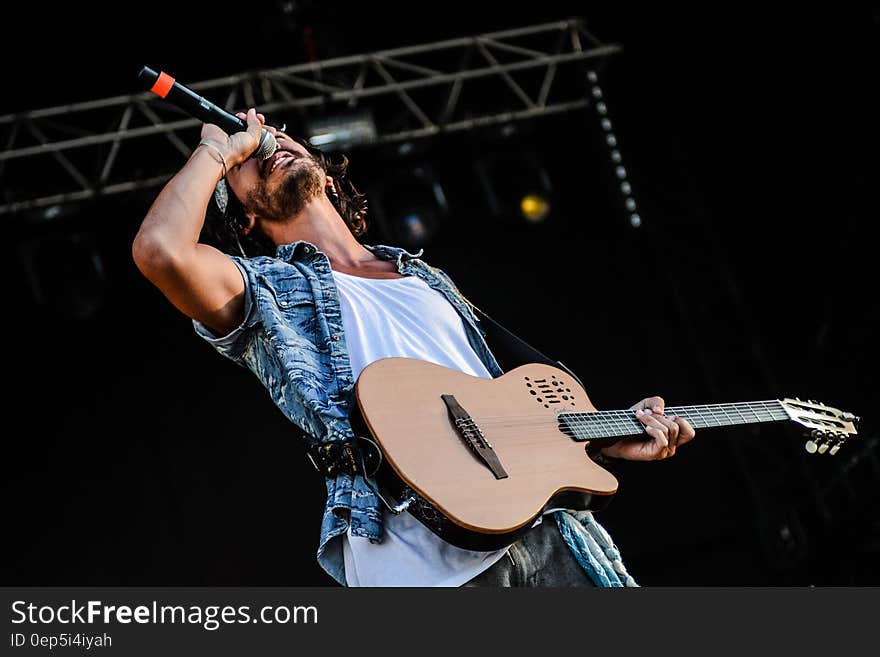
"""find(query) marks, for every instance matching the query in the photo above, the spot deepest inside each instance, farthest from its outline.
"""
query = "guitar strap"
(511, 350)
(514, 351)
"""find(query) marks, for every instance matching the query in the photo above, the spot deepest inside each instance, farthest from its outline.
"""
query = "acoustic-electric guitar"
(477, 460)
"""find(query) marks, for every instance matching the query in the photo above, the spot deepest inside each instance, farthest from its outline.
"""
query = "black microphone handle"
(201, 108)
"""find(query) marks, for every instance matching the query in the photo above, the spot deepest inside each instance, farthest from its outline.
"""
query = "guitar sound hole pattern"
(549, 391)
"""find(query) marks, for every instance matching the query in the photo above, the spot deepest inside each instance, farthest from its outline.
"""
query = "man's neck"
(320, 224)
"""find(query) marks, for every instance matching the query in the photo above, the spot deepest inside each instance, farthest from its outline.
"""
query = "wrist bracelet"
(219, 152)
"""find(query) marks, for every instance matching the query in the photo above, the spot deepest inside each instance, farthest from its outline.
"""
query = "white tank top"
(388, 317)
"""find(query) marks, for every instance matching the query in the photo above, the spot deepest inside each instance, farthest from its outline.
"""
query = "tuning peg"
(841, 438)
(812, 445)
(849, 417)
(823, 448)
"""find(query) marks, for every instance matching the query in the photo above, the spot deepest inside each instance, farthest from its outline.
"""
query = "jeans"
(540, 558)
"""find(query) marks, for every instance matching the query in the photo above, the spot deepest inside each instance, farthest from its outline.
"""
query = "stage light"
(534, 207)
(416, 227)
(515, 184)
(611, 140)
(409, 206)
(341, 131)
(51, 213)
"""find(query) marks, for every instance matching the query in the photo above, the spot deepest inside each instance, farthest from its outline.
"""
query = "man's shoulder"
(273, 280)
(267, 265)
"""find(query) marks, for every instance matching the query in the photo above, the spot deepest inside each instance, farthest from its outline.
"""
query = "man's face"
(279, 187)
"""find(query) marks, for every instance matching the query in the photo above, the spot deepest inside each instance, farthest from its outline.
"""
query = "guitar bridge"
(473, 437)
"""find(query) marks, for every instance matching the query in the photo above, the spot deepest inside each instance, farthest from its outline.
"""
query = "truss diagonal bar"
(406, 66)
(401, 93)
(550, 73)
(499, 45)
(412, 92)
(66, 163)
(114, 149)
(496, 66)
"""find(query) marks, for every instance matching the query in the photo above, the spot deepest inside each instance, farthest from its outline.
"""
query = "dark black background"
(135, 455)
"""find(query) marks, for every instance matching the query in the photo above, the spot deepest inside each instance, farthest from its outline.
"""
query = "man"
(299, 301)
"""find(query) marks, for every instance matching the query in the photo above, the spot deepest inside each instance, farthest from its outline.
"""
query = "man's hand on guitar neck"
(666, 434)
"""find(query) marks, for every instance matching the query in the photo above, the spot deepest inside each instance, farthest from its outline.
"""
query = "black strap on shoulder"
(511, 350)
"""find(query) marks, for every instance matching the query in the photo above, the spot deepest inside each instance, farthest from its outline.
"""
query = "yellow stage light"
(534, 207)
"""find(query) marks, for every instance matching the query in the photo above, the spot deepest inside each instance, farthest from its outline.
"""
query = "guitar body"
(478, 460)
(453, 492)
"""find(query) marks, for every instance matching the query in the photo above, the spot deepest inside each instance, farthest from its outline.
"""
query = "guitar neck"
(623, 423)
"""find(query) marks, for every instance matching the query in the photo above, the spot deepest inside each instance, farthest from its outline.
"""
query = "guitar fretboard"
(622, 423)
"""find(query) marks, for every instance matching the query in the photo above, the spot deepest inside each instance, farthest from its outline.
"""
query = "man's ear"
(251, 220)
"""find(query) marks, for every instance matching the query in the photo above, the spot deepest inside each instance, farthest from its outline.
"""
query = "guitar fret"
(729, 418)
(747, 415)
(607, 423)
(620, 423)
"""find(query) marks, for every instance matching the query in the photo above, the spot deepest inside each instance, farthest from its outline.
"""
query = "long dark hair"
(223, 229)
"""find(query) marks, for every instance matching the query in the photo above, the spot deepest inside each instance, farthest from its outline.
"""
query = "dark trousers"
(540, 558)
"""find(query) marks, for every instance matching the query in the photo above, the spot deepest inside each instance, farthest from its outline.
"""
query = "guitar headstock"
(828, 428)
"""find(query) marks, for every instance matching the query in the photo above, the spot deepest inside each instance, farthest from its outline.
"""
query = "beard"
(303, 182)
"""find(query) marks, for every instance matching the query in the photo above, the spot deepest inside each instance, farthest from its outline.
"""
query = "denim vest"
(292, 339)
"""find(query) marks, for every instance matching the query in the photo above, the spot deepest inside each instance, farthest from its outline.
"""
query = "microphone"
(165, 86)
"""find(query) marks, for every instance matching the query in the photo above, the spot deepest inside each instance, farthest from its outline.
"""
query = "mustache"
(266, 165)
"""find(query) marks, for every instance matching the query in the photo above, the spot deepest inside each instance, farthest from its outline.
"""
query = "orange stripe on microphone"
(163, 85)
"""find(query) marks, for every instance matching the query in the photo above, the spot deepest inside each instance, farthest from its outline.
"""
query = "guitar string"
(491, 432)
(580, 432)
(702, 421)
(543, 435)
(622, 423)
(547, 434)
(713, 411)
(770, 405)
(619, 424)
